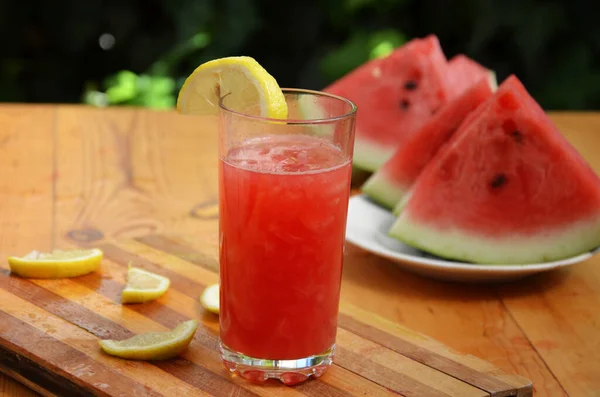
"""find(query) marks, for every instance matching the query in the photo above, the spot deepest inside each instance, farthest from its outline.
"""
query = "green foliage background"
(51, 51)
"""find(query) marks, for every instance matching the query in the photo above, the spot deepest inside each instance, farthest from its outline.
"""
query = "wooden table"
(67, 170)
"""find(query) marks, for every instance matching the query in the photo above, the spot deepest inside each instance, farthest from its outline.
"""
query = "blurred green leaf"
(358, 49)
(350, 54)
(123, 87)
(382, 43)
(95, 98)
(161, 86)
(200, 40)
(165, 102)
(355, 5)
(51, 50)
(128, 88)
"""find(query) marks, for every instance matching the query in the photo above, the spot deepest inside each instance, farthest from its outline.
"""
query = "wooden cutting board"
(49, 331)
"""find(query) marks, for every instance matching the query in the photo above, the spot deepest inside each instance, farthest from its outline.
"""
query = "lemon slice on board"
(56, 264)
(250, 89)
(153, 345)
(210, 298)
(143, 286)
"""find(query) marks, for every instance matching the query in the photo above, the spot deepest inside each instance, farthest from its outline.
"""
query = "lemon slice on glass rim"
(56, 264)
(153, 345)
(143, 286)
(248, 86)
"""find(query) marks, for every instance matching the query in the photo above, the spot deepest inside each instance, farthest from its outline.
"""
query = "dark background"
(139, 51)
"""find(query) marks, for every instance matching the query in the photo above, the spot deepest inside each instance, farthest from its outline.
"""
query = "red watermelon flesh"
(395, 96)
(507, 188)
(392, 181)
(463, 72)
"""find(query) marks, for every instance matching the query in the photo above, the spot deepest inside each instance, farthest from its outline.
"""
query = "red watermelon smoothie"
(283, 208)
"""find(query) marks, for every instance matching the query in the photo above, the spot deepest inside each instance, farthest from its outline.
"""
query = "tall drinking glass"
(283, 200)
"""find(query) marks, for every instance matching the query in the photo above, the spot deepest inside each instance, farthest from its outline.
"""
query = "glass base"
(290, 372)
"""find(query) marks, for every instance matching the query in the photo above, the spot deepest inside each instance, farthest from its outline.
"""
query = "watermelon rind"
(369, 156)
(492, 80)
(399, 207)
(383, 190)
(570, 240)
(475, 222)
(308, 109)
(387, 186)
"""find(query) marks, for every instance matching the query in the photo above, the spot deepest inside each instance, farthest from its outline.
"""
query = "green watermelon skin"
(506, 189)
(393, 180)
(395, 95)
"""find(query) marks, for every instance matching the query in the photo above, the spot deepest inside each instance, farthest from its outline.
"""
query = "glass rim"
(352, 112)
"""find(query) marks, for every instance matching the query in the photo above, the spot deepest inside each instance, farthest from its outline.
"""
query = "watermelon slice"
(395, 96)
(507, 188)
(390, 183)
(463, 72)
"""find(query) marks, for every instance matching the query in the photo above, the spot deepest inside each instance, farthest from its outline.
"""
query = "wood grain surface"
(75, 175)
(49, 331)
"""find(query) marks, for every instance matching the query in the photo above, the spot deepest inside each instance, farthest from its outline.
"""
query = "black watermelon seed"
(498, 181)
(410, 85)
(404, 104)
(517, 136)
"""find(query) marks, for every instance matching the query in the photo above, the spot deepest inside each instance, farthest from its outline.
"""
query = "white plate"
(369, 223)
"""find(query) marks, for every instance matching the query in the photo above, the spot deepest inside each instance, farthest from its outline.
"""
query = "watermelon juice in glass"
(283, 200)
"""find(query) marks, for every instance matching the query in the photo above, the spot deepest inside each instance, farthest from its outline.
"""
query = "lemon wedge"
(249, 87)
(153, 345)
(57, 264)
(210, 298)
(143, 286)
